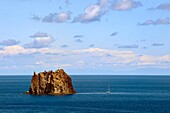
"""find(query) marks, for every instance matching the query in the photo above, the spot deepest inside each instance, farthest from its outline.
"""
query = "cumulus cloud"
(57, 17)
(114, 34)
(157, 44)
(87, 58)
(116, 58)
(165, 21)
(123, 5)
(39, 34)
(17, 50)
(12, 50)
(129, 46)
(92, 13)
(41, 40)
(164, 6)
(9, 42)
(156, 61)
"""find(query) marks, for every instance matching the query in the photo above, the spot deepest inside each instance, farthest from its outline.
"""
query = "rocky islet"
(51, 83)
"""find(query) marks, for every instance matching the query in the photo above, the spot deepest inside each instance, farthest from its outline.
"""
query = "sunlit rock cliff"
(54, 83)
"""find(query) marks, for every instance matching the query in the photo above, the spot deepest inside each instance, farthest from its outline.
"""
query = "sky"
(89, 37)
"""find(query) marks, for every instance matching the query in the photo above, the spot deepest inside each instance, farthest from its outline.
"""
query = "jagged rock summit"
(54, 83)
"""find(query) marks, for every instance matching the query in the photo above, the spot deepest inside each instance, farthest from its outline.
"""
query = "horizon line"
(103, 75)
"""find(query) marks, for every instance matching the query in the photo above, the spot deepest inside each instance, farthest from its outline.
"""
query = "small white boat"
(108, 90)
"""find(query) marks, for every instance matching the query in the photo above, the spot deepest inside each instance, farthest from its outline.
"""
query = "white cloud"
(123, 5)
(57, 17)
(86, 58)
(12, 50)
(155, 61)
(103, 3)
(39, 34)
(164, 6)
(17, 50)
(92, 12)
(41, 40)
(9, 42)
(164, 21)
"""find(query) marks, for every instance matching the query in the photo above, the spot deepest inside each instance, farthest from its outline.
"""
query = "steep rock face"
(55, 83)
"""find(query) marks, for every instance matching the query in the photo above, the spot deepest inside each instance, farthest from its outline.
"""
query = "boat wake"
(105, 93)
(121, 93)
(99, 93)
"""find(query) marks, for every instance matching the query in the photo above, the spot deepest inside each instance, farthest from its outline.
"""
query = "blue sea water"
(129, 94)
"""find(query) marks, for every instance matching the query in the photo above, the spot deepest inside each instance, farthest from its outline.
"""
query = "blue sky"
(85, 37)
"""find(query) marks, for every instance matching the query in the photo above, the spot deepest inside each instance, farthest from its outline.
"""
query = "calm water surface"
(129, 94)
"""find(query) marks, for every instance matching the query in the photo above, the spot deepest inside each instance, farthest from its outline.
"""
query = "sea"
(129, 94)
